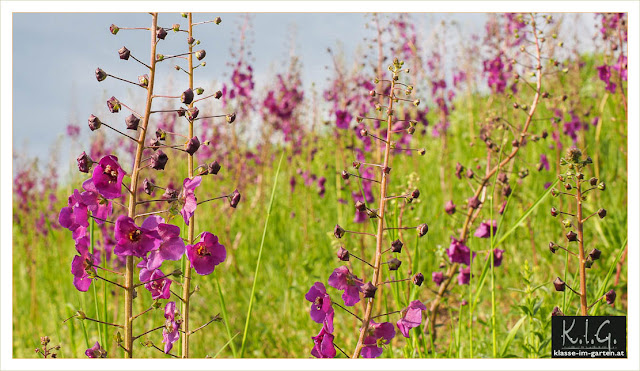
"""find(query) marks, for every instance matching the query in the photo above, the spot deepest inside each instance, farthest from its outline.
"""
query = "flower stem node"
(343, 254)
(369, 290)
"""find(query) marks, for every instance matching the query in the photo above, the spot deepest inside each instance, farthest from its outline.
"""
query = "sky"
(55, 56)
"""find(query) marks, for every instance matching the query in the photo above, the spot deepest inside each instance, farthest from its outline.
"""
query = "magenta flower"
(206, 254)
(323, 345)
(437, 277)
(107, 177)
(75, 215)
(484, 229)
(458, 252)
(134, 240)
(544, 161)
(464, 276)
(157, 286)
(342, 279)
(79, 267)
(189, 198)
(172, 246)
(411, 317)
(99, 206)
(170, 333)
(497, 257)
(378, 334)
(450, 207)
(343, 119)
(321, 304)
(96, 351)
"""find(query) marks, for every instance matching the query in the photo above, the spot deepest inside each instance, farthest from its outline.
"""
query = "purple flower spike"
(158, 287)
(96, 351)
(484, 230)
(411, 317)
(323, 345)
(171, 333)
(107, 177)
(437, 277)
(458, 252)
(79, 266)
(378, 334)
(189, 198)
(321, 303)
(171, 248)
(134, 240)
(206, 254)
(342, 279)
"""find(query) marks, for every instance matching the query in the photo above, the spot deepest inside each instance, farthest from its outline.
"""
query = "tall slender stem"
(582, 266)
(129, 286)
(380, 231)
(186, 283)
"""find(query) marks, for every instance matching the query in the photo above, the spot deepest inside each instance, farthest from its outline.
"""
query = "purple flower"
(206, 254)
(170, 333)
(172, 246)
(107, 177)
(485, 228)
(458, 252)
(99, 206)
(497, 257)
(79, 266)
(96, 351)
(464, 276)
(378, 334)
(343, 119)
(158, 287)
(544, 161)
(437, 277)
(134, 240)
(321, 304)
(189, 198)
(323, 345)
(75, 215)
(342, 279)
(411, 317)
(450, 207)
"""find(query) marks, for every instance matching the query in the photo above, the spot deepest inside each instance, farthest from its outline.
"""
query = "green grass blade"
(225, 317)
(612, 267)
(511, 335)
(225, 345)
(255, 275)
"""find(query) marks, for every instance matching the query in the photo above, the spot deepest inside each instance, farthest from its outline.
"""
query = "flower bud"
(190, 40)
(416, 102)
(396, 246)
(474, 202)
(469, 174)
(192, 145)
(44, 340)
(132, 122)
(158, 160)
(422, 229)
(369, 290)
(566, 223)
(556, 312)
(593, 181)
(418, 279)
(113, 104)
(411, 130)
(170, 194)
(192, 113)
(176, 27)
(199, 91)
(161, 134)
(200, 54)
(84, 162)
(602, 213)
(394, 264)
(386, 169)
(94, 123)
(187, 96)
(213, 168)
(554, 192)
(159, 57)
(217, 20)
(356, 165)
(100, 74)
(147, 186)
(345, 175)
(80, 314)
(372, 213)
(235, 199)
(559, 284)
(588, 262)
(372, 93)
(595, 254)
(143, 80)
(610, 296)
(568, 186)
(218, 95)
(338, 231)
(161, 33)
(230, 117)
(415, 193)
(601, 186)
(114, 29)
(450, 207)
(574, 155)
(360, 206)
(343, 254)
(181, 112)
(554, 212)
(572, 236)
(553, 247)
(124, 53)
(364, 132)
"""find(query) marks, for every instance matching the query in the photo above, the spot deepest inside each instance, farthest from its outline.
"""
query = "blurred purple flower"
(411, 317)
(342, 279)
(458, 252)
(484, 229)
(378, 334)
(188, 198)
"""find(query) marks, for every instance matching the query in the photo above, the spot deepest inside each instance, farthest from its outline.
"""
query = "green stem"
(255, 275)
(225, 317)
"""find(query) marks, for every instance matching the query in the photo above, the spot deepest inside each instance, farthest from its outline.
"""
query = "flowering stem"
(102, 322)
(209, 117)
(121, 79)
(139, 61)
(348, 311)
(364, 261)
(380, 231)
(208, 96)
(143, 312)
(177, 296)
(587, 218)
(129, 267)
(394, 281)
(215, 318)
(131, 109)
(151, 213)
(386, 314)
(121, 133)
(111, 282)
(342, 351)
(581, 255)
(363, 178)
(146, 332)
(215, 198)
(186, 283)
(104, 220)
(108, 270)
(162, 351)
(157, 200)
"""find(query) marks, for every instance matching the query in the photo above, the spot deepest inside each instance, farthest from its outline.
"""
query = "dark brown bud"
(418, 279)
(235, 199)
(360, 206)
(231, 117)
(554, 212)
(147, 186)
(415, 193)
(94, 123)
(553, 247)
(158, 160)
(84, 162)
(386, 169)
(610, 297)
(556, 312)
(602, 213)
(161, 134)
(192, 145)
(192, 113)
(572, 236)
(369, 290)
(593, 181)
(502, 178)
(338, 231)
(343, 254)
(181, 112)
(124, 53)
(100, 74)
(474, 202)
(218, 95)
(345, 175)
(114, 29)
(559, 284)
(213, 168)
(568, 186)
(469, 174)
(356, 164)
(170, 194)
(132, 122)
(394, 264)
(217, 20)
(154, 143)
(187, 96)
(396, 246)
(595, 254)
(190, 40)
(161, 33)
(422, 229)
(200, 54)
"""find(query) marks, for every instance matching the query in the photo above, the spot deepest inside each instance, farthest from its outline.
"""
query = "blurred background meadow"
(297, 83)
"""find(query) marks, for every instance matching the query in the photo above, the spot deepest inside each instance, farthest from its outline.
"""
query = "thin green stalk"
(255, 275)
(225, 317)
(95, 291)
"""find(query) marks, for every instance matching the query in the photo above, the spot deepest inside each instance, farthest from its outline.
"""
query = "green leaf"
(511, 335)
